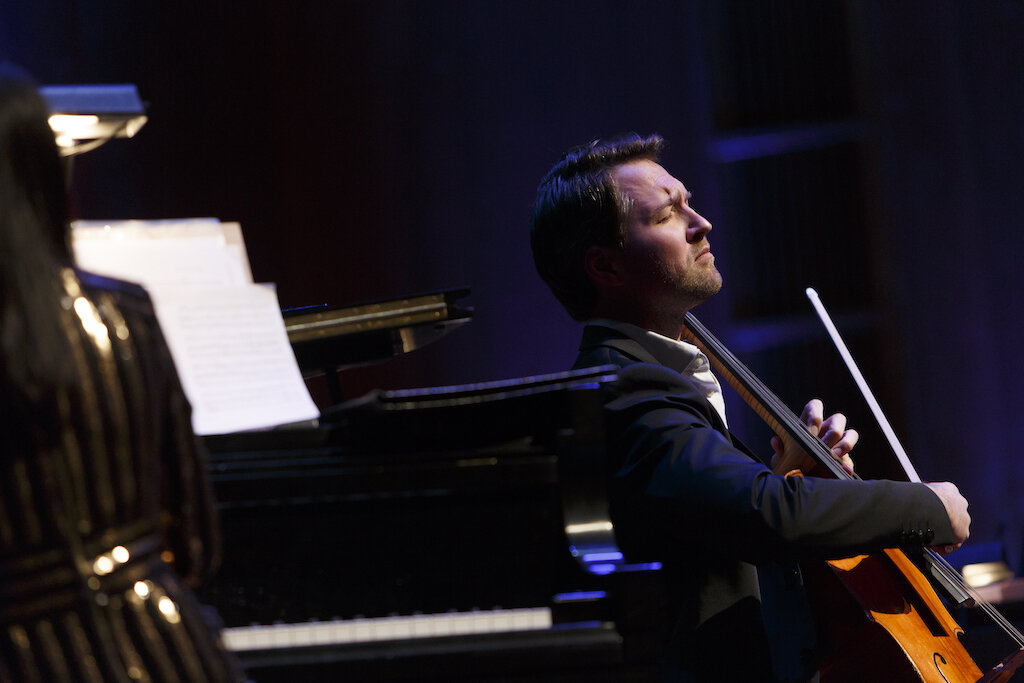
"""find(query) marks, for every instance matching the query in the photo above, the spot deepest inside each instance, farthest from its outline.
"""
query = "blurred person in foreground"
(106, 513)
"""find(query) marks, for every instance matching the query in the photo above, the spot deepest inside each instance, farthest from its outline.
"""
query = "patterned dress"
(98, 529)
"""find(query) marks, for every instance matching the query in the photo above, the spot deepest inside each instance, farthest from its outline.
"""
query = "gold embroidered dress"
(98, 526)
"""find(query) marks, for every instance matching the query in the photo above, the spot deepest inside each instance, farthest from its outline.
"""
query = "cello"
(878, 615)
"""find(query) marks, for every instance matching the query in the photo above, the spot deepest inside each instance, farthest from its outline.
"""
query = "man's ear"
(603, 266)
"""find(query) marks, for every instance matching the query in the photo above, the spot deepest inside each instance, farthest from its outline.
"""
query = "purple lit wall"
(950, 107)
(380, 148)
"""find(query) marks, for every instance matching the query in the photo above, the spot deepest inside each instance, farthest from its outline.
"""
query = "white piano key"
(382, 629)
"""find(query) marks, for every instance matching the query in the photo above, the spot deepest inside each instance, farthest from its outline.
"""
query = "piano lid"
(540, 407)
(336, 337)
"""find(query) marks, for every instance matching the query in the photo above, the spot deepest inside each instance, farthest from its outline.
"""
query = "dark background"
(380, 148)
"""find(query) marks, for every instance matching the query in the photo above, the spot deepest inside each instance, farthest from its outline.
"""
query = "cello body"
(879, 618)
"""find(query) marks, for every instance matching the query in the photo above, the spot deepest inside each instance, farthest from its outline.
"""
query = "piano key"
(273, 636)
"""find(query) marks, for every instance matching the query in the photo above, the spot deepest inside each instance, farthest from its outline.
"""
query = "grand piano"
(441, 534)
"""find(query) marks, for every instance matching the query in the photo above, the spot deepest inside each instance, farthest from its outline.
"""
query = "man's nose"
(698, 227)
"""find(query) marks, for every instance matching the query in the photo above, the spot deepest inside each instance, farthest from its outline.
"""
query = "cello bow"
(940, 569)
(924, 634)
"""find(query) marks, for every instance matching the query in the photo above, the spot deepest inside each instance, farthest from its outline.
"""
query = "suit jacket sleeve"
(679, 477)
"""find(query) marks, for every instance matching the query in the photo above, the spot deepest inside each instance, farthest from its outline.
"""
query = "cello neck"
(759, 397)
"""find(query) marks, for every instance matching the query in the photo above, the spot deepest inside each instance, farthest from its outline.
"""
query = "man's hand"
(956, 510)
(832, 432)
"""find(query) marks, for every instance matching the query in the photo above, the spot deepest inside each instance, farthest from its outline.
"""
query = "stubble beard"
(687, 289)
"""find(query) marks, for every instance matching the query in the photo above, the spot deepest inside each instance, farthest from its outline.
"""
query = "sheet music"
(225, 333)
(233, 356)
(180, 254)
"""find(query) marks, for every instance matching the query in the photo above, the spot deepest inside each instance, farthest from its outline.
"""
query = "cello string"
(979, 601)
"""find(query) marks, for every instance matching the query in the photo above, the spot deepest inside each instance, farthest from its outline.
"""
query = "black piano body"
(447, 534)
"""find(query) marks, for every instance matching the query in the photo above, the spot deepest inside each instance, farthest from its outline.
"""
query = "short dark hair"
(578, 206)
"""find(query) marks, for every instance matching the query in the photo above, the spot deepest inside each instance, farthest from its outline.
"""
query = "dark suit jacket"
(686, 492)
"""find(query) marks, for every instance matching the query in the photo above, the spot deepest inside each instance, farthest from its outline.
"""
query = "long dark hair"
(34, 246)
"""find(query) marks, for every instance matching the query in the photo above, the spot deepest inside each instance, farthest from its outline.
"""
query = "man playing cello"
(615, 238)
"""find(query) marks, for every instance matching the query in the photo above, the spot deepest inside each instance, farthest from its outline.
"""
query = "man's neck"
(667, 325)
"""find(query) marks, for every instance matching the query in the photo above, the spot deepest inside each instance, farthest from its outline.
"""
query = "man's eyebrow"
(672, 197)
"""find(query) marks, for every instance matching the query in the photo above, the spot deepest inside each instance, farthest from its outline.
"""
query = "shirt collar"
(671, 353)
(678, 355)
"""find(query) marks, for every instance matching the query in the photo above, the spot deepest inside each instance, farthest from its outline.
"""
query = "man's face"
(666, 257)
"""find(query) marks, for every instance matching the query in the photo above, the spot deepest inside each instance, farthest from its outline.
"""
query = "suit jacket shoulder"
(641, 378)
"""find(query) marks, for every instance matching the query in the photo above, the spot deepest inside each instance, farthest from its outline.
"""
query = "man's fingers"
(833, 430)
(813, 415)
(844, 444)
